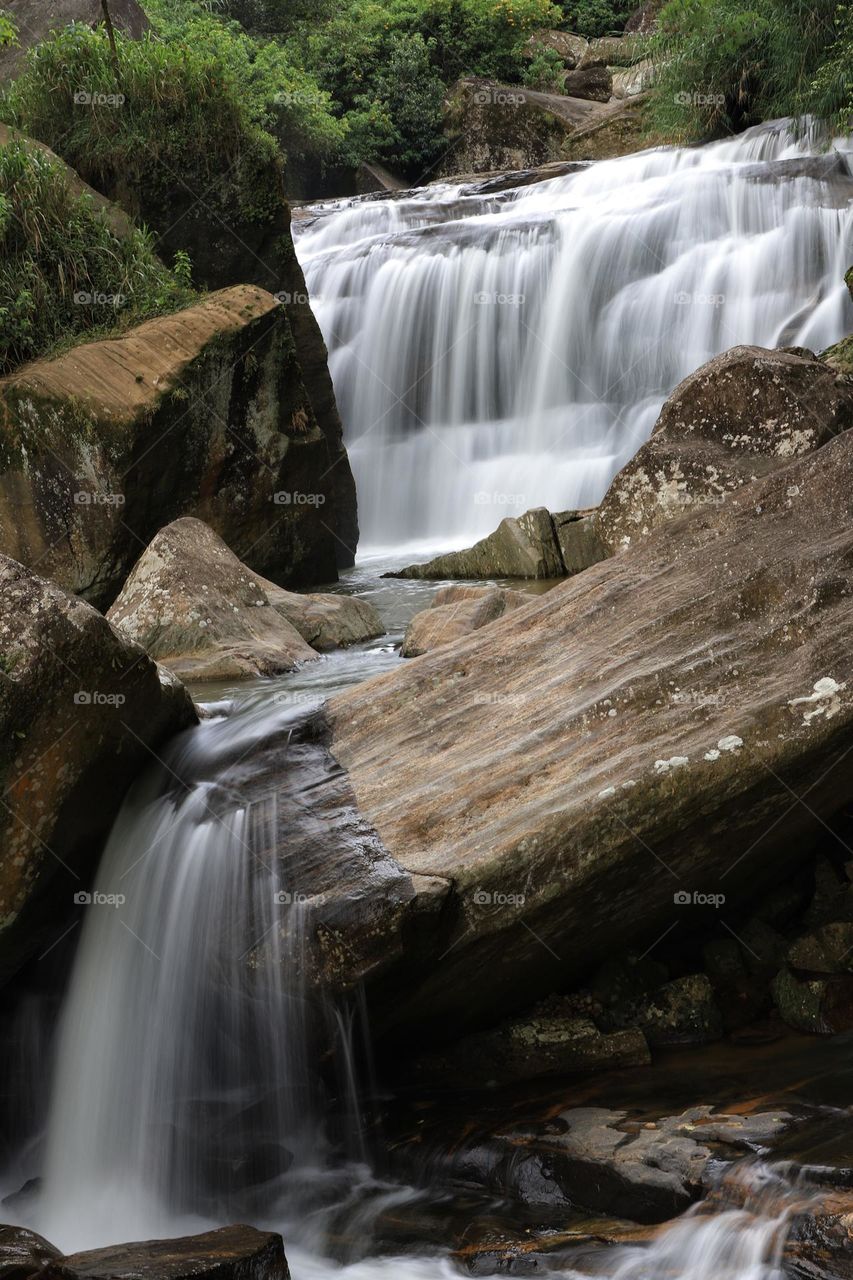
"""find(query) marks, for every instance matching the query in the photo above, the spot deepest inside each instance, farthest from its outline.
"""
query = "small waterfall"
(493, 353)
(185, 1089)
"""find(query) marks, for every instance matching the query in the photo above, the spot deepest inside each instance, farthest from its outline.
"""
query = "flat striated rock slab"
(591, 770)
(231, 1253)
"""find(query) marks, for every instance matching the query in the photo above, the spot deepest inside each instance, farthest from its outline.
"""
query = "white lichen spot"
(824, 701)
(607, 793)
(730, 743)
(713, 754)
(675, 762)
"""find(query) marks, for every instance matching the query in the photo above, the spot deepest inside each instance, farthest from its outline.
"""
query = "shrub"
(64, 272)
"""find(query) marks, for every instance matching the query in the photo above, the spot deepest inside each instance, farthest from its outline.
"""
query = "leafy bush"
(725, 67)
(546, 71)
(64, 272)
(592, 18)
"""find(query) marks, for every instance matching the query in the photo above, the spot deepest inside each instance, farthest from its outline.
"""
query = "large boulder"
(200, 413)
(595, 83)
(568, 46)
(660, 714)
(745, 413)
(82, 708)
(613, 51)
(195, 607)
(456, 612)
(493, 126)
(229, 1253)
(24, 1254)
(37, 19)
(535, 545)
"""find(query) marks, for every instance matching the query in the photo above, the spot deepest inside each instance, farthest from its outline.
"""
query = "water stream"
(490, 353)
(495, 352)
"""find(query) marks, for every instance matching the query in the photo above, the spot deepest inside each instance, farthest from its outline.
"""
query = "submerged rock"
(743, 414)
(535, 545)
(456, 612)
(230, 1253)
(82, 708)
(200, 413)
(194, 606)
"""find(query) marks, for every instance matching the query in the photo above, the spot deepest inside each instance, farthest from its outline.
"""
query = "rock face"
(190, 603)
(23, 1253)
(612, 51)
(82, 708)
(595, 83)
(570, 47)
(535, 545)
(627, 82)
(201, 413)
(231, 1253)
(659, 715)
(36, 19)
(497, 126)
(456, 612)
(743, 414)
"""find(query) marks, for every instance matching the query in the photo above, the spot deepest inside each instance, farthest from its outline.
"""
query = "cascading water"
(491, 353)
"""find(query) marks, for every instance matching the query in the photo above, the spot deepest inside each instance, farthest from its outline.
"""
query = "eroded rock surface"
(82, 709)
(201, 413)
(230, 1253)
(741, 415)
(456, 612)
(194, 606)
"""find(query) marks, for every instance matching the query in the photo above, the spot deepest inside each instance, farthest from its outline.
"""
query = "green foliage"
(592, 18)
(546, 71)
(725, 66)
(64, 272)
(8, 30)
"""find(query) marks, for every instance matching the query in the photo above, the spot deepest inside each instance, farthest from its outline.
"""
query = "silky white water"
(494, 353)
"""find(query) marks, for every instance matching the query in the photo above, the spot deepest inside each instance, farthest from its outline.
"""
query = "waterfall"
(184, 1091)
(494, 352)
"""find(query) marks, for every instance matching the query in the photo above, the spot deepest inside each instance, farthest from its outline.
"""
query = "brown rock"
(82, 708)
(745, 413)
(231, 1253)
(200, 413)
(570, 47)
(456, 612)
(194, 606)
(521, 547)
(612, 51)
(595, 83)
(23, 1253)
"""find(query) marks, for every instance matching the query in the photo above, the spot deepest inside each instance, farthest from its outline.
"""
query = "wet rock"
(456, 612)
(747, 412)
(540, 1045)
(681, 1012)
(201, 413)
(827, 950)
(821, 1006)
(658, 711)
(22, 1199)
(595, 83)
(570, 47)
(81, 709)
(193, 605)
(23, 1253)
(832, 898)
(535, 545)
(231, 1253)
